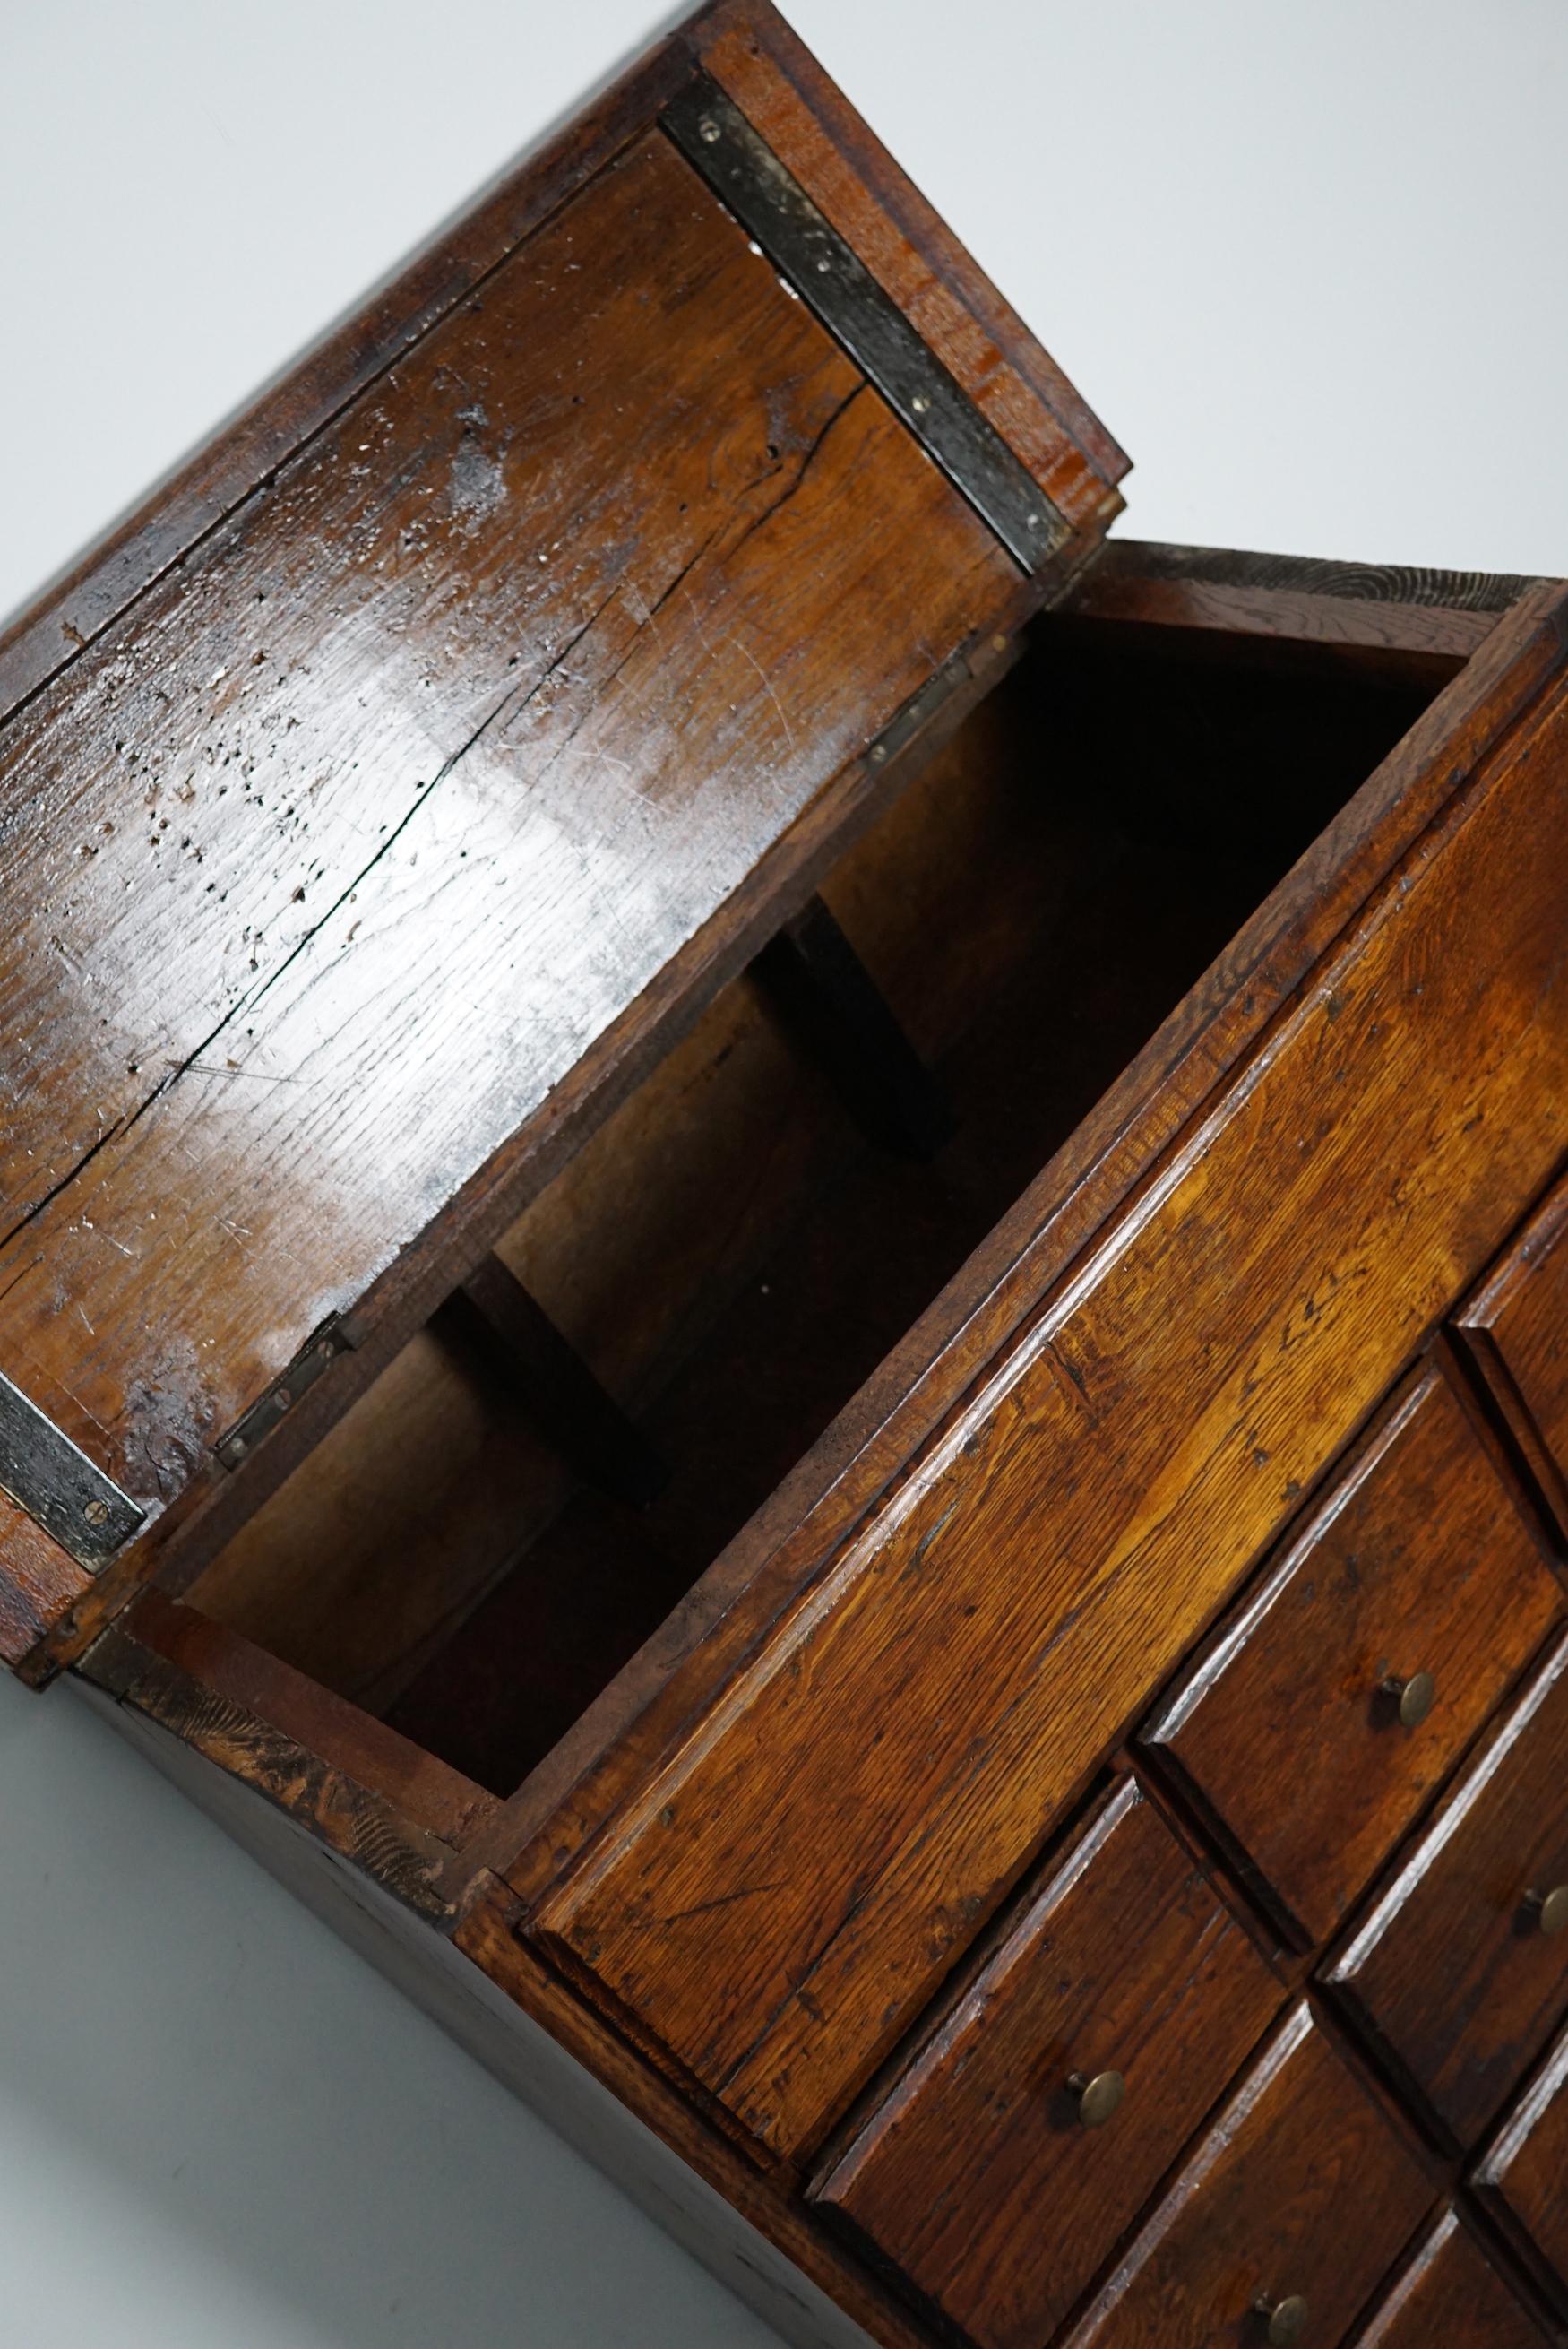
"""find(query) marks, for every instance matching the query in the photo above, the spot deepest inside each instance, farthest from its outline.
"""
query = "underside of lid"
(447, 733)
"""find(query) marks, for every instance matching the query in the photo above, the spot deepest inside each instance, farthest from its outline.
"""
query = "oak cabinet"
(780, 1258)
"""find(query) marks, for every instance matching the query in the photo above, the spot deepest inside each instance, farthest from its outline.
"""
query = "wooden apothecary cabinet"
(783, 1262)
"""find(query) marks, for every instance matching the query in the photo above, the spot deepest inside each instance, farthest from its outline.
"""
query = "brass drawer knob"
(1550, 1909)
(1285, 2319)
(1097, 2098)
(1417, 1697)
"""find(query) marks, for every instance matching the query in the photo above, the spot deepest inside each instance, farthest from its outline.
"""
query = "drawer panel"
(1459, 1973)
(1301, 2191)
(1523, 2177)
(1451, 2297)
(1517, 1330)
(986, 2180)
(1290, 1735)
(779, 1903)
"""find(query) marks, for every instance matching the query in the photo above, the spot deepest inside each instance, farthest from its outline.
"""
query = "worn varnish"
(1064, 1538)
(1289, 1733)
(1303, 2189)
(375, 727)
(1126, 1962)
(1451, 2294)
(1452, 1975)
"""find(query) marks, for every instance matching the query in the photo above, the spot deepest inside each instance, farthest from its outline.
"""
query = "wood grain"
(1450, 1974)
(793, 1539)
(429, 1794)
(1519, 2179)
(917, 1705)
(1125, 1961)
(406, 708)
(1451, 2294)
(1301, 2187)
(752, 52)
(373, 1833)
(1516, 1330)
(1419, 1559)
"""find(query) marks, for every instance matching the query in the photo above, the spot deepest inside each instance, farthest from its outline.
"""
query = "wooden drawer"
(1451, 2296)
(979, 1643)
(1517, 1330)
(1459, 1975)
(1419, 1567)
(1301, 2191)
(1523, 2177)
(985, 2179)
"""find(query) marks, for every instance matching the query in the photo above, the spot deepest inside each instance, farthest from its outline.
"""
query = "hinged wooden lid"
(379, 799)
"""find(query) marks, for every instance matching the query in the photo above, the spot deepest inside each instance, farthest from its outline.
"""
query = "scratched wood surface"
(1128, 1960)
(1421, 1559)
(938, 1698)
(360, 831)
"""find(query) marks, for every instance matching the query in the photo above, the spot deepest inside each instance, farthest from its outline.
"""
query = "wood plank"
(829, 1000)
(237, 463)
(917, 1702)
(751, 52)
(373, 1835)
(791, 1542)
(388, 719)
(495, 1314)
(427, 1793)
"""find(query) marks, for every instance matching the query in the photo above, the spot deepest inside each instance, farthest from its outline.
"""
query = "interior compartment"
(732, 1253)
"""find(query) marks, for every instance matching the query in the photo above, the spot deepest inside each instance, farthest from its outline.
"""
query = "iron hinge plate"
(816, 263)
(334, 1337)
(60, 1488)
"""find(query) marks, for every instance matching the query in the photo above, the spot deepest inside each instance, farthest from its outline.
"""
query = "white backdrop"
(1306, 258)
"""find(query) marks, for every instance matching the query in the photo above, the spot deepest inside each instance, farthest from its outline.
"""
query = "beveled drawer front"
(1032, 2128)
(1517, 1330)
(779, 1902)
(1451, 2297)
(1460, 1971)
(1302, 2193)
(1522, 2178)
(1317, 1723)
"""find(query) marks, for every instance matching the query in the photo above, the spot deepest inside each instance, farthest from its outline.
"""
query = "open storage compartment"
(484, 1542)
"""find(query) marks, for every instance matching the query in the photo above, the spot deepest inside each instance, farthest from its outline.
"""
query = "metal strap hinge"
(60, 1488)
(336, 1336)
(831, 278)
